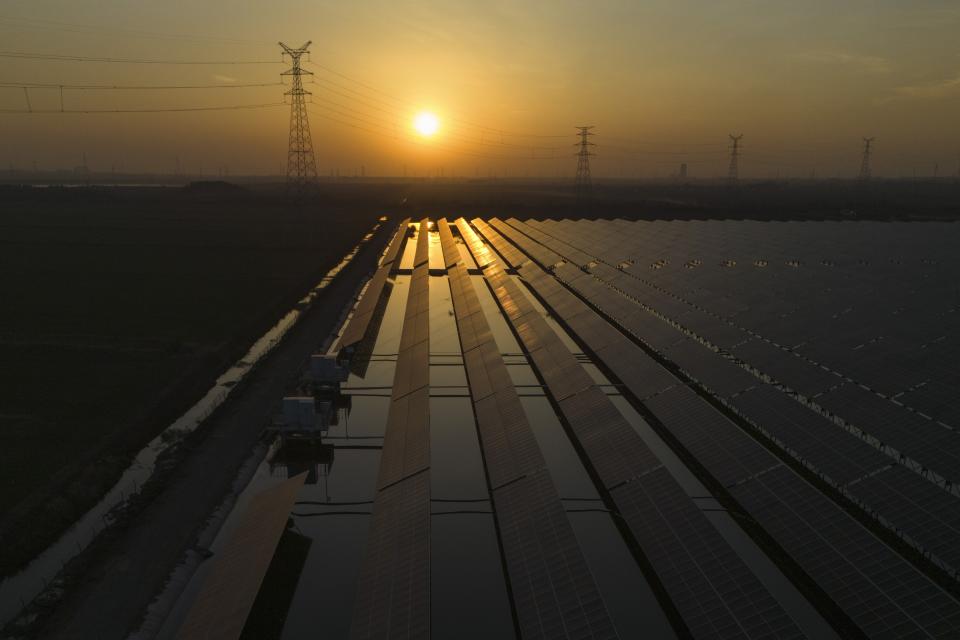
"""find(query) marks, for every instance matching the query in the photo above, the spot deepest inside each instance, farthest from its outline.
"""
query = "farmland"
(121, 307)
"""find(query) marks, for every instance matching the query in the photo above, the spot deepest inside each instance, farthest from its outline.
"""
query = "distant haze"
(663, 81)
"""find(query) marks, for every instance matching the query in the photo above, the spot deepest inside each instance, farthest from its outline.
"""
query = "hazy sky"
(663, 81)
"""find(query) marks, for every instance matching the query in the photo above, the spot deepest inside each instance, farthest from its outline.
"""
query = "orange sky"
(663, 81)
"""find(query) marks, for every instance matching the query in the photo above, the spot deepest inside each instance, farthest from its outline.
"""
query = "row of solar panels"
(917, 437)
(714, 592)
(836, 454)
(876, 588)
(359, 324)
(553, 591)
(393, 594)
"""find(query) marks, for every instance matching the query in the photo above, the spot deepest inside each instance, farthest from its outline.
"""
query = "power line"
(140, 87)
(640, 152)
(54, 57)
(407, 103)
(86, 28)
(386, 132)
(397, 117)
(630, 142)
(150, 110)
(392, 129)
(396, 101)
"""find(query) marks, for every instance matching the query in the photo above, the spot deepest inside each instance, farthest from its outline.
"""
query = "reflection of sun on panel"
(426, 124)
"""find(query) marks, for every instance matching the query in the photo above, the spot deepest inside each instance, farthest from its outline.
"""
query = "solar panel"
(485, 377)
(923, 440)
(571, 253)
(712, 588)
(882, 593)
(396, 243)
(229, 590)
(641, 374)
(617, 453)
(719, 445)
(413, 367)
(511, 256)
(406, 441)
(785, 367)
(422, 256)
(923, 511)
(481, 254)
(709, 368)
(827, 447)
(937, 399)
(510, 448)
(563, 374)
(451, 255)
(393, 597)
(357, 328)
(552, 587)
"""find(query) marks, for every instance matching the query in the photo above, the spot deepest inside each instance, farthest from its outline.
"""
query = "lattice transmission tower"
(865, 170)
(301, 163)
(733, 171)
(584, 181)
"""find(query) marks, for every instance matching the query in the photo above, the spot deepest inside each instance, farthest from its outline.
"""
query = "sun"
(426, 123)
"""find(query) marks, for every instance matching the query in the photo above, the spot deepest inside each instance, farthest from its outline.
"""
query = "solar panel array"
(393, 596)
(554, 593)
(903, 496)
(871, 304)
(881, 592)
(678, 331)
(356, 329)
(711, 587)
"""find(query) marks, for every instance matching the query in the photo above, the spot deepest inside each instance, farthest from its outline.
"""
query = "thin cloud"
(868, 64)
(929, 91)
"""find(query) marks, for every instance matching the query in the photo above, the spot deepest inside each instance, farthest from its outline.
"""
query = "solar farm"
(609, 428)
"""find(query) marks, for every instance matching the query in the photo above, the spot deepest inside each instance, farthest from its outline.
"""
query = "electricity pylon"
(733, 171)
(584, 181)
(865, 171)
(301, 163)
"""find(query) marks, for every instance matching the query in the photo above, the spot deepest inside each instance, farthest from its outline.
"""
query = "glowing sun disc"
(426, 123)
